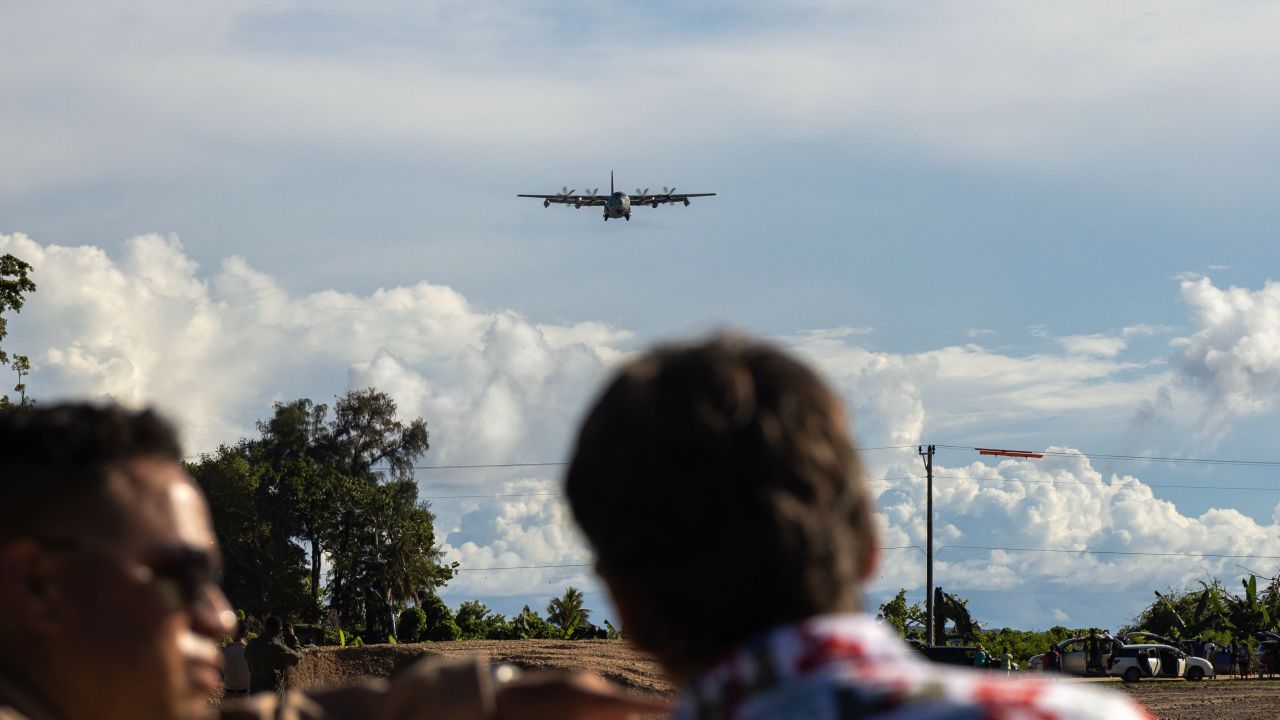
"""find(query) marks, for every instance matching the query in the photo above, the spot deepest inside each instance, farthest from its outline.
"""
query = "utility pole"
(928, 561)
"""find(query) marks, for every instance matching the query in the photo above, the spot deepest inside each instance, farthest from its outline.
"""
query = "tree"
(334, 486)
(382, 543)
(294, 442)
(263, 569)
(528, 625)
(412, 621)
(901, 616)
(478, 622)
(14, 282)
(566, 612)
(440, 624)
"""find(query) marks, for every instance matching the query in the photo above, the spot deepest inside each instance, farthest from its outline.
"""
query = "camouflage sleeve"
(434, 689)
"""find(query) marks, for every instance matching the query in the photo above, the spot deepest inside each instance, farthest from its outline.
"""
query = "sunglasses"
(181, 574)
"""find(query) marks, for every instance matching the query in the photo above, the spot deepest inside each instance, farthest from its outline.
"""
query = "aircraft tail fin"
(610, 182)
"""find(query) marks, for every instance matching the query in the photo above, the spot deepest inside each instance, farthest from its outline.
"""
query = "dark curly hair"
(55, 459)
(723, 496)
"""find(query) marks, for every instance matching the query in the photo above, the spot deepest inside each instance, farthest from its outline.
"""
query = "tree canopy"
(319, 487)
(15, 282)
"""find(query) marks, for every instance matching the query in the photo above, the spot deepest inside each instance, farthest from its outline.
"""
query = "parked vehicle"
(1075, 659)
(951, 654)
(1268, 651)
(1134, 662)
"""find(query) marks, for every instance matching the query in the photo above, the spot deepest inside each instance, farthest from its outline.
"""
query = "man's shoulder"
(953, 689)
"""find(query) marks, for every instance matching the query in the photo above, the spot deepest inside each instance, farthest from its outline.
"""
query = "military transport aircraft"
(616, 204)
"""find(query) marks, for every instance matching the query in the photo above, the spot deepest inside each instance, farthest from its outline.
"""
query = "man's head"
(108, 605)
(720, 490)
(271, 626)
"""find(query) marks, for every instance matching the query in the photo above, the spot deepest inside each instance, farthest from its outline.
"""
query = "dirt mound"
(615, 659)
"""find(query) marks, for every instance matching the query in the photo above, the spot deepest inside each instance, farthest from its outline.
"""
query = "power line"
(1096, 484)
(1142, 458)
(521, 567)
(1005, 481)
(1113, 552)
(483, 466)
(944, 547)
(575, 565)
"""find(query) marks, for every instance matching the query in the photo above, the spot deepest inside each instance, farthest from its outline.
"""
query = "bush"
(529, 625)
(334, 636)
(439, 621)
(478, 622)
(411, 624)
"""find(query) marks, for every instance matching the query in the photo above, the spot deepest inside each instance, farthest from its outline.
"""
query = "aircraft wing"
(576, 200)
(662, 198)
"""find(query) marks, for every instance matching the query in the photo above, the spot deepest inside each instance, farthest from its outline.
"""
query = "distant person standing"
(235, 668)
(980, 658)
(1093, 648)
(269, 657)
(1243, 660)
(1007, 661)
(1052, 660)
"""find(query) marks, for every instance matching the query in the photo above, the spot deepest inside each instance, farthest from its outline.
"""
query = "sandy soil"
(618, 661)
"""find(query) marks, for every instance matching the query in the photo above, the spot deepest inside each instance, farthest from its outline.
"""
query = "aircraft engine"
(546, 203)
(577, 206)
(655, 203)
(686, 202)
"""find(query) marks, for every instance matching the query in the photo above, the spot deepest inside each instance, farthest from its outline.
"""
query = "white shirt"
(841, 666)
(235, 671)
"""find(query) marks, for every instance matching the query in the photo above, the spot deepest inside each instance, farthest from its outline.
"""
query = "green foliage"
(319, 484)
(358, 642)
(263, 568)
(614, 633)
(477, 622)
(566, 613)
(1023, 644)
(411, 624)
(440, 624)
(530, 625)
(1211, 612)
(908, 620)
(15, 281)
(334, 636)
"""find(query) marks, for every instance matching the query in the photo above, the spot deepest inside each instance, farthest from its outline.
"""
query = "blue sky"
(1019, 224)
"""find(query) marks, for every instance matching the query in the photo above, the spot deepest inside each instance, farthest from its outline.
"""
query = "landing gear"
(606, 218)
(628, 216)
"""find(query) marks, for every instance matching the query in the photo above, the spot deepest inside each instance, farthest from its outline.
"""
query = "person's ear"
(29, 593)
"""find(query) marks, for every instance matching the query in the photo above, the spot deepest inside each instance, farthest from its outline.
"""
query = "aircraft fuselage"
(618, 205)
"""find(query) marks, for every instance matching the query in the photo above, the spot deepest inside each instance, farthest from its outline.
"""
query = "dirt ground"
(1224, 697)
(616, 660)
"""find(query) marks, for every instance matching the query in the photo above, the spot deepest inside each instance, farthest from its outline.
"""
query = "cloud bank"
(214, 349)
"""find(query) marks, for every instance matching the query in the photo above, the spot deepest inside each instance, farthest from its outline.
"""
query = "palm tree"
(567, 612)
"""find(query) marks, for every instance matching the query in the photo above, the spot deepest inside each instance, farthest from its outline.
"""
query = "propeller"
(642, 192)
(667, 191)
(592, 192)
(565, 191)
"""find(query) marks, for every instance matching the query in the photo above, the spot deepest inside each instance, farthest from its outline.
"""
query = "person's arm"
(452, 689)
